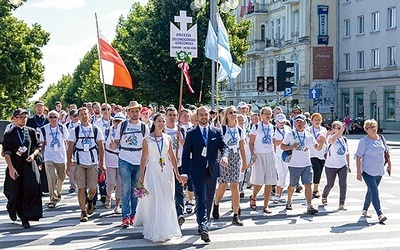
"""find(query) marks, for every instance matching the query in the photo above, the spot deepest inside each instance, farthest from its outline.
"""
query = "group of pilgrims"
(184, 159)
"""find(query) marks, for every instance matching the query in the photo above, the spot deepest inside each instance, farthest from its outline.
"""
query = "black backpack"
(44, 131)
(95, 132)
(125, 124)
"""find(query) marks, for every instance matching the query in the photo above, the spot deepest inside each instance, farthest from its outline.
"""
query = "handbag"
(39, 159)
(386, 154)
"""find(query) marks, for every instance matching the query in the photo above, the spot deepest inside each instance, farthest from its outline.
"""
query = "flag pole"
(101, 65)
(179, 114)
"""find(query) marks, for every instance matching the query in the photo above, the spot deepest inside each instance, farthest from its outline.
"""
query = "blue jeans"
(129, 174)
(372, 183)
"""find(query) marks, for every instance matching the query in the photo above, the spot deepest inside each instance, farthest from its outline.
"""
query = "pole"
(179, 112)
(101, 64)
(213, 11)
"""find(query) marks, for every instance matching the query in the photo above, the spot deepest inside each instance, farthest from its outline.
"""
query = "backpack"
(224, 131)
(44, 131)
(77, 150)
(125, 124)
(287, 154)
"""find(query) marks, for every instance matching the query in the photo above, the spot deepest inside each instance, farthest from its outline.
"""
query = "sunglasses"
(21, 117)
(53, 117)
(104, 109)
(232, 112)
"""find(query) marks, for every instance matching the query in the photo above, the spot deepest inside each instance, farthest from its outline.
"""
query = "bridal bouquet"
(140, 191)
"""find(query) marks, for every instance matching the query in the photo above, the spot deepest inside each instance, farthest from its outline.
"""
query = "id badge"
(56, 148)
(86, 147)
(204, 152)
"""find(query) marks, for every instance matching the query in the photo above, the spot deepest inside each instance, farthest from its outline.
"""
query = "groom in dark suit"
(200, 163)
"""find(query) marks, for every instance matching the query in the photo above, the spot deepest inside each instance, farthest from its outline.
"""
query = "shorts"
(306, 174)
(86, 176)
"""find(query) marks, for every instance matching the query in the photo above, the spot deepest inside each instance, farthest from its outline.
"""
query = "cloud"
(59, 4)
(116, 14)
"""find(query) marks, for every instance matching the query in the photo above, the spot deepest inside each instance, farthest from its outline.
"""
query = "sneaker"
(298, 188)
(131, 220)
(316, 194)
(90, 207)
(189, 207)
(289, 206)
(237, 221)
(117, 210)
(126, 222)
(215, 212)
(276, 199)
(25, 224)
(84, 217)
(311, 210)
(241, 194)
(382, 218)
(59, 198)
(181, 220)
(107, 204)
(103, 199)
(13, 216)
(71, 190)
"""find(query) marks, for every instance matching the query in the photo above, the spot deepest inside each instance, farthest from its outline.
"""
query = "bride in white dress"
(157, 212)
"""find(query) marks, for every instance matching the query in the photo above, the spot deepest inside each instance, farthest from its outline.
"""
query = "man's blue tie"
(205, 135)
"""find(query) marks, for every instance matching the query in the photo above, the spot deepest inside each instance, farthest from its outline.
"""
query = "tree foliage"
(142, 40)
(20, 55)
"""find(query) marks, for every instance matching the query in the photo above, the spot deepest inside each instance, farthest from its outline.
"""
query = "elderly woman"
(370, 166)
(337, 163)
(234, 138)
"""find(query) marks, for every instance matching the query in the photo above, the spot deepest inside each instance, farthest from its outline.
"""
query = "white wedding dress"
(157, 212)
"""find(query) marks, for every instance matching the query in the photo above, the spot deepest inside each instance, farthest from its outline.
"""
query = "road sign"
(314, 93)
(183, 39)
(288, 91)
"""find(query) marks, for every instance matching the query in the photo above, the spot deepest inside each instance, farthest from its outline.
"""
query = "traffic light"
(260, 83)
(270, 83)
(284, 75)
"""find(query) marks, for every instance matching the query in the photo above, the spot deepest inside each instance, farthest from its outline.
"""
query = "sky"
(72, 28)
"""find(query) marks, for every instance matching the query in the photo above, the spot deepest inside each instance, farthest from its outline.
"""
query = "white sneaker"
(276, 199)
(117, 210)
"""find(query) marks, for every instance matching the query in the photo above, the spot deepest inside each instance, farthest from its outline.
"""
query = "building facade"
(300, 31)
(369, 78)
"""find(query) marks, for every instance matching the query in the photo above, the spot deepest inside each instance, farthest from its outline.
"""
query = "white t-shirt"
(132, 137)
(102, 124)
(232, 137)
(279, 135)
(264, 137)
(111, 160)
(301, 154)
(86, 137)
(172, 132)
(336, 155)
(55, 149)
(72, 125)
(316, 132)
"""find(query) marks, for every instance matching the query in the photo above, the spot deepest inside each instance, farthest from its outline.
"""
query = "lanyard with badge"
(86, 140)
(55, 143)
(160, 148)
(281, 132)
(267, 137)
(301, 142)
(342, 148)
(22, 149)
(205, 138)
(105, 124)
(315, 134)
(233, 141)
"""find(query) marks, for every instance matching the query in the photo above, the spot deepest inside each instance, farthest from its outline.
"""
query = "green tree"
(20, 55)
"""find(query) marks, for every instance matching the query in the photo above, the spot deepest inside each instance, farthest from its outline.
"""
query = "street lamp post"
(224, 7)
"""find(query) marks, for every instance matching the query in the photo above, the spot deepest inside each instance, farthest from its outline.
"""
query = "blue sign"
(288, 91)
(323, 37)
(314, 93)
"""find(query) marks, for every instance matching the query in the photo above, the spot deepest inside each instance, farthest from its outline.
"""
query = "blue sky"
(72, 28)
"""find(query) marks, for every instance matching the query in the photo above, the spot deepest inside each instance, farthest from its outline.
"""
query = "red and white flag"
(114, 72)
(185, 69)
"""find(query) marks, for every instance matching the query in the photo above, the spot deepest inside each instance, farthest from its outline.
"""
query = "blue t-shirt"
(372, 156)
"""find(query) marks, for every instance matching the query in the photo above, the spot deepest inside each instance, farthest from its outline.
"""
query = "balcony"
(257, 47)
(273, 45)
(291, 1)
(256, 8)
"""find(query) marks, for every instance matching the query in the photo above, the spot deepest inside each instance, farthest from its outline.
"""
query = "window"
(375, 21)
(253, 70)
(346, 62)
(278, 28)
(248, 72)
(360, 60)
(263, 32)
(360, 25)
(375, 58)
(262, 68)
(391, 56)
(271, 67)
(391, 18)
(359, 99)
(347, 28)
(345, 104)
(390, 105)
(272, 30)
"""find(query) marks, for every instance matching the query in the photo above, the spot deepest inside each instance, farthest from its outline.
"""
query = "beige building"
(289, 30)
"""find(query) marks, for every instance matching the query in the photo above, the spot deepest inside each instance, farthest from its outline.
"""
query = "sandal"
(51, 205)
(366, 214)
(342, 207)
(253, 204)
(266, 210)
(324, 201)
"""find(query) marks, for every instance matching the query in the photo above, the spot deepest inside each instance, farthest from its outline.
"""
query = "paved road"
(329, 229)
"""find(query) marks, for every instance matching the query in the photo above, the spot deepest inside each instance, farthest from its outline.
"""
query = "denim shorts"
(306, 174)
